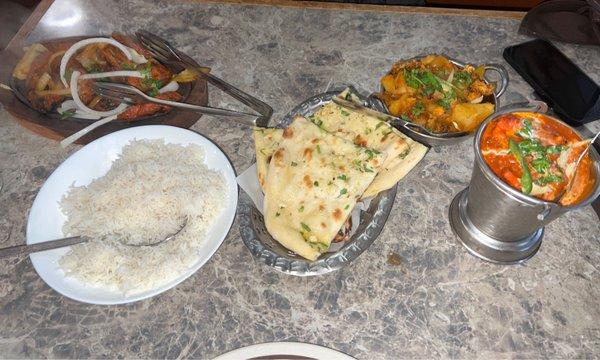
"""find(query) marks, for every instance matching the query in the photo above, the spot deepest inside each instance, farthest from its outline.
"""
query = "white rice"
(144, 197)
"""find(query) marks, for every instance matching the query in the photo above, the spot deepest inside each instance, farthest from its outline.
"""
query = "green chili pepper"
(526, 182)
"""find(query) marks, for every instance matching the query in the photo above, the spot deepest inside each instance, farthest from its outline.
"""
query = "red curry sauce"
(547, 148)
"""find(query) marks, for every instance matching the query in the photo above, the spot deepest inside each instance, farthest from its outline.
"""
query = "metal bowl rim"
(509, 190)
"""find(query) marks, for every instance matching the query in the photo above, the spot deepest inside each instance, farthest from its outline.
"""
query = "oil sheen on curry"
(536, 155)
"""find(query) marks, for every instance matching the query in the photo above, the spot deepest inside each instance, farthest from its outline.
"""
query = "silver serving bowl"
(430, 140)
(267, 250)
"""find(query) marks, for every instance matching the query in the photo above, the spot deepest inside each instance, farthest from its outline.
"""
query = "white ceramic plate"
(93, 161)
(284, 351)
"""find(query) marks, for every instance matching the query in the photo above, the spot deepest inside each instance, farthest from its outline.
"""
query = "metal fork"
(74, 240)
(164, 52)
(130, 95)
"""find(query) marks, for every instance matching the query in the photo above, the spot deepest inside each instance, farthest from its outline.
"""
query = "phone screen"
(557, 80)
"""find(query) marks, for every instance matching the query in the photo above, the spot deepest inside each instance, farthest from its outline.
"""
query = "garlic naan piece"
(402, 152)
(364, 130)
(266, 141)
(314, 181)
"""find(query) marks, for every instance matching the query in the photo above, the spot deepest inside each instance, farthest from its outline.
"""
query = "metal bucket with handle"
(499, 223)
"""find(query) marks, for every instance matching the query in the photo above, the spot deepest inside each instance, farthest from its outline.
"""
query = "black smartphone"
(557, 80)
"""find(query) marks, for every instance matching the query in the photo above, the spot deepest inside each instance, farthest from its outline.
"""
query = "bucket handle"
(531, 105)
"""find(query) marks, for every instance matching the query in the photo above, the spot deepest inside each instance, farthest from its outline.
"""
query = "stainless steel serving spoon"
(74, 240)
(389, 118)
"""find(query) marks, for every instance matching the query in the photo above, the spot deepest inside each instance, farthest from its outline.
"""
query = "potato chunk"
(467, 117)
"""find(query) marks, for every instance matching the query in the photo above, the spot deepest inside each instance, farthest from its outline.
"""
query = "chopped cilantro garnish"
(294, 163)
(316, 120)
(555, 149)
(531, 146)
(541, 165)
(346, 207)
(431, 82)
(360, 166)
(67, 114)
(277, 214)
(416, 79)
(344, 112)
(526, 129)
(301, 209)
(404, 153)
(371, 153)
(411, 79)
(319, 246)
(446, 101)
(342, 192)
(548, 179)
(316, 183)
(348, 96)
(405, 118)
(305, 227)
(343, 177)
(149, 82)
(462, 79)
(93, 68)
(418, 109)
(128, 66)
(318, 149)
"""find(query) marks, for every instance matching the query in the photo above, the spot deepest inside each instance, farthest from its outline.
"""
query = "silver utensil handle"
(242, 118)
(43, 246)
(263, 108)
(255, 104)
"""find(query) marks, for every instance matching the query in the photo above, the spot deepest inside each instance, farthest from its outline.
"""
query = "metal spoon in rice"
(59, 243)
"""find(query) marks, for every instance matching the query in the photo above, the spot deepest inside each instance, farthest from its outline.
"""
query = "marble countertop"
(437, 301)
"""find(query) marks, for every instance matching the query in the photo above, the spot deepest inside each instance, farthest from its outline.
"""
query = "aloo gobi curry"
(438, 94)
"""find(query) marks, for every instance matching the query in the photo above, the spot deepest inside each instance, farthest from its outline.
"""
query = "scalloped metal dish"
(267, 250)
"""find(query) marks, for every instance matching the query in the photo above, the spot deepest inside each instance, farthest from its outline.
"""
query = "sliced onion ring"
(478, 100)
(78, 45)
(123, 73)
(67, 105)
(81, 106)
(136, 57)
(70, 105)
(172, 86)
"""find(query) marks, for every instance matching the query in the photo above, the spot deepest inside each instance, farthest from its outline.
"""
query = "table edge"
(503, 14)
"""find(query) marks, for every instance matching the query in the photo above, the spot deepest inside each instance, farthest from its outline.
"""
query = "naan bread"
(314, 181)
(402, 152)
(266, 141)
(367, 131)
